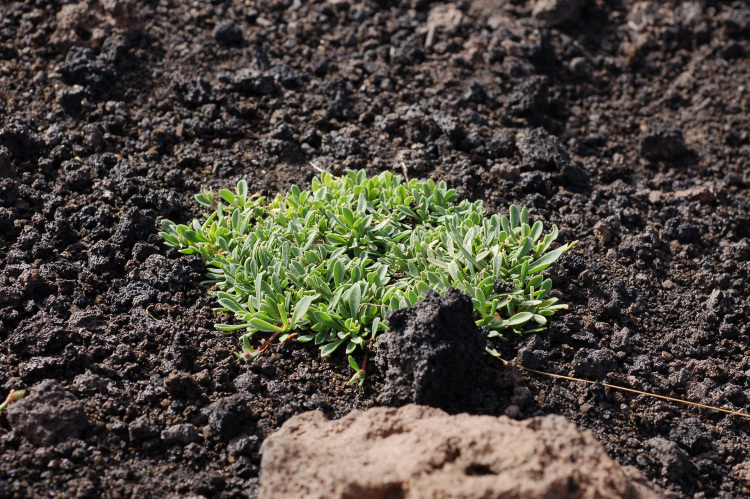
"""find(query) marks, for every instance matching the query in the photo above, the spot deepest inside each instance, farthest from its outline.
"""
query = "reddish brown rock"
(90, 22)
(742, 472)
(420, 452)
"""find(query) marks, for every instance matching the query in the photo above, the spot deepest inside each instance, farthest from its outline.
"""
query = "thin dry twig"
(632, 390)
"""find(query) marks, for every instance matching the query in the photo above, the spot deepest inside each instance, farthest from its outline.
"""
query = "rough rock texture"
(663, 144)
(556, 12)
(431, 352)
(102, 139)
(90, 22)
(542, 151)
(418, 452)
(49, 414)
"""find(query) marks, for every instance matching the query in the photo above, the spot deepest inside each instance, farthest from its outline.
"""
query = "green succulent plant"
(12, 397)
(327, 265)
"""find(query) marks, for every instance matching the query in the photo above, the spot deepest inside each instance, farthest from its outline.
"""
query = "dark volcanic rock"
(141, 430)
(542, 151)
(594, 364)
(663, 144)
(19, 141)
(181, 385)
(227, 416)
(40, 335)
(180, 434)
(556, 12)
(252, 81)
(682, 230)
(48, 414)
(83, 67)
(228, 33)
(192, 92)
(432, 351)
(673, 460)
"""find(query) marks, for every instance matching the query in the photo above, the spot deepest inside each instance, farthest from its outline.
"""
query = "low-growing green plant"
(327, 265)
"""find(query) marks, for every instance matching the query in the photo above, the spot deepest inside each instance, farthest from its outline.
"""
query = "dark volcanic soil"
(625, 123)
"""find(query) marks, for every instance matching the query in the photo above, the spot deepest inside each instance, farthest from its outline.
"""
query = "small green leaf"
(264, 326)
(375, 326)
(232, 327)
(242, 188)
(355, 297)
(453, 271)
(350, 347)
(301, 308)
(228, 303)
(359, 378)
(354, 364)
(407, 211)
(195, 237)
(548, 259)
(227, 196)
(329, 348)
(338, 272)
(336, 239)
(423, 288)
(519, 318)
(515, 216)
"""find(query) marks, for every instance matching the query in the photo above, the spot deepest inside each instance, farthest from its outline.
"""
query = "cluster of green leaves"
(327, 265)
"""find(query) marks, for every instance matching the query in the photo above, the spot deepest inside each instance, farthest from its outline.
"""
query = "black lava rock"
(182, 385)
(682, 230)
(227, 416)
(502, 286)
(180, 434)
(503, 143)
(48, 414)
(248, 382)
(192, 92)
(253, 82)
(43, 334)
(663, 144)
(690, 434)
(125, 297)
(228, 33)
(542, 151)
(132, 225)
(83, 67)
(71, 98)
(432, 352)
(141, 430)
(596, 364)
(675, 464)
(529, 96)
(20, 142)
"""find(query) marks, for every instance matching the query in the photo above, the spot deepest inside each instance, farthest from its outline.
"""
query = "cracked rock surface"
(419, 451)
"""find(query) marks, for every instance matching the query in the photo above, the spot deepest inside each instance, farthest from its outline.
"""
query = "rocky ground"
(624, 123)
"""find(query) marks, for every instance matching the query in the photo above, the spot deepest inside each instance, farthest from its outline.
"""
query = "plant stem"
(12, 397)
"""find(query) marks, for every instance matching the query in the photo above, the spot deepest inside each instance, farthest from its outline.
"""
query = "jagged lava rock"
(422, 452)
(432, 351)
(49, 414)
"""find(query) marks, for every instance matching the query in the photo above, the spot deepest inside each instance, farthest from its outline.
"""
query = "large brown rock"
(422, 452)
(89, 22)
